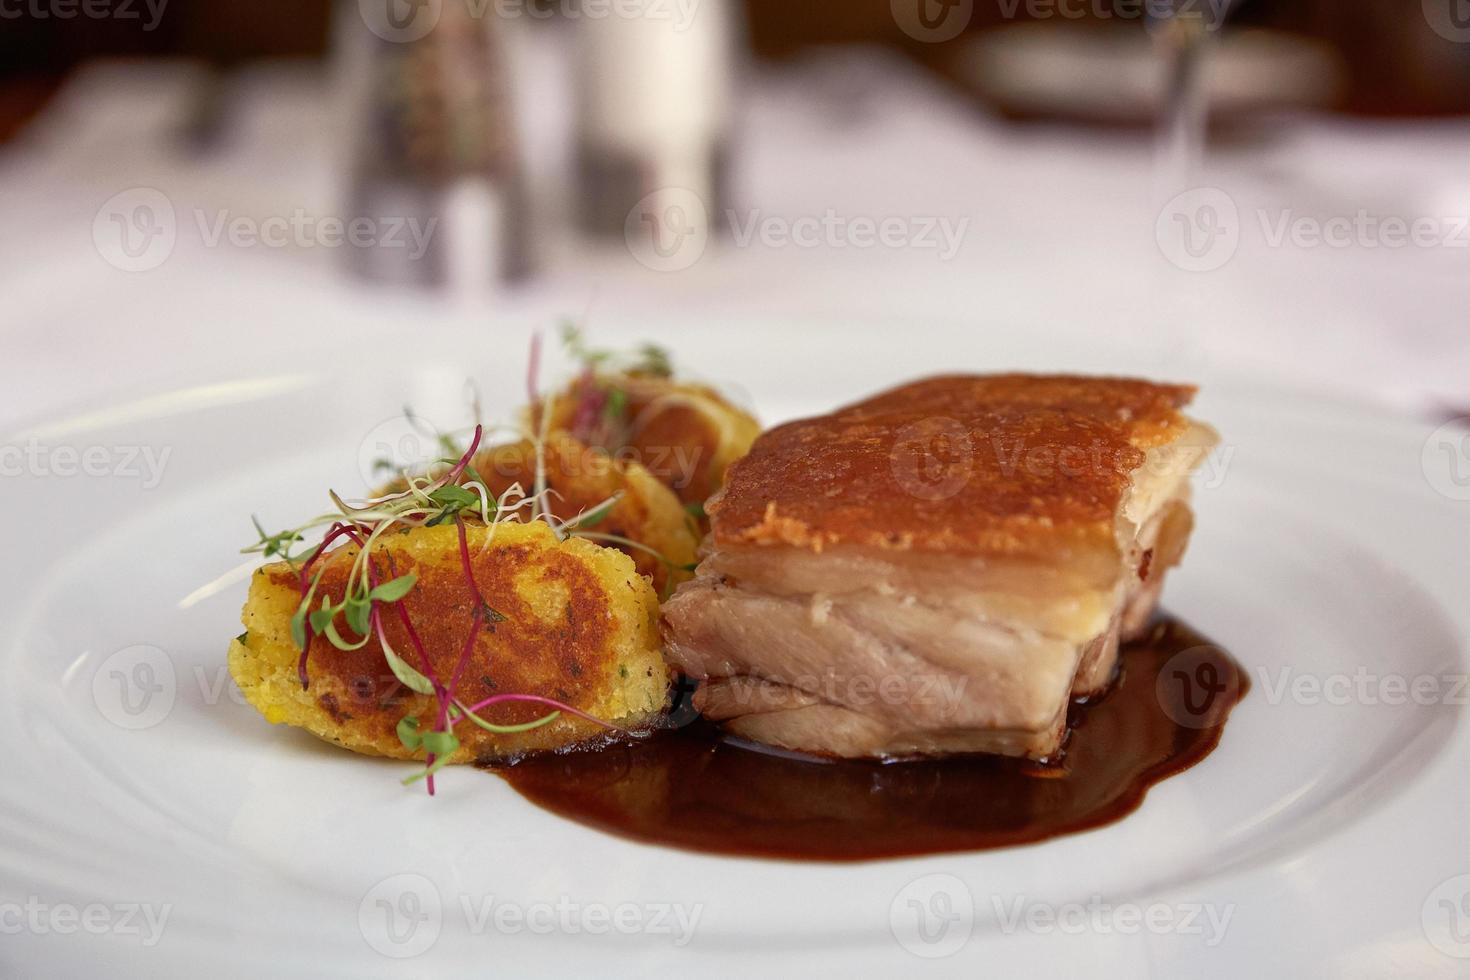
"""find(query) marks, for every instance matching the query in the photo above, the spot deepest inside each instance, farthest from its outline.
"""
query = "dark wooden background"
(1395, 64)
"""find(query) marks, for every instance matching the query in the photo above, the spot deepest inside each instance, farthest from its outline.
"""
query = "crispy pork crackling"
(940, 568)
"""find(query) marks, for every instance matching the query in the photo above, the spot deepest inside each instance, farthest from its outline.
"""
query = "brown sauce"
(690, 787)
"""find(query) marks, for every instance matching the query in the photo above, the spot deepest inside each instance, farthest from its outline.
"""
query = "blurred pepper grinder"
(653, 111)
(436, 184)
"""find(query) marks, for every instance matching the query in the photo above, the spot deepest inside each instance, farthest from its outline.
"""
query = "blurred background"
(1278, 187)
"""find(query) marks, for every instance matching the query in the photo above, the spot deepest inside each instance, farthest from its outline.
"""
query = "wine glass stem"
(1185, 105)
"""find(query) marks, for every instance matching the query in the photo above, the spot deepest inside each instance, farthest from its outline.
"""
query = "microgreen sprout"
(647, 359)
(601, 408)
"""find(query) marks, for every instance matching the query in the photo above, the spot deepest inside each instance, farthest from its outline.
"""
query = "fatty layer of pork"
(862, 652)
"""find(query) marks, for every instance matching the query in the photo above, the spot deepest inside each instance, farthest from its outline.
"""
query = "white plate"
(1324, 834)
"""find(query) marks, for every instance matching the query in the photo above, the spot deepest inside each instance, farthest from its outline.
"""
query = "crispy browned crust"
(1012, 464)
(581, 478)
(685, 434)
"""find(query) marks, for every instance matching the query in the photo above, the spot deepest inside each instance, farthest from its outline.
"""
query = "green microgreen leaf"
(649, 359)
(453, 498)
(408, 733)
(275, 545)
(359, 611)
(617, 404)
(407, 674)
(393, 590)
(454, 495)
(337, 641)
(654, 360)
(440, 743)
(439, 763)
(475, 476)
(323, 617)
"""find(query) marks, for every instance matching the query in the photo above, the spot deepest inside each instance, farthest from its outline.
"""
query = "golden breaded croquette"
(580, 479)
(579, 626)
(687, 435)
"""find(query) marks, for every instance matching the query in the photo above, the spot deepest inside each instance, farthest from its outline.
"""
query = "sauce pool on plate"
(692, 787)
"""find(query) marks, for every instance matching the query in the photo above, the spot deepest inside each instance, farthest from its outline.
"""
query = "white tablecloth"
(1060, 235)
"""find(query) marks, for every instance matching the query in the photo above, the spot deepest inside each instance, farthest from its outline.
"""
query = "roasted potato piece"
(581, 477)
(686, 435)
(580, 626)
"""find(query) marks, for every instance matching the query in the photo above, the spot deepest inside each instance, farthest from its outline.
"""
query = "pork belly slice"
(941, 568)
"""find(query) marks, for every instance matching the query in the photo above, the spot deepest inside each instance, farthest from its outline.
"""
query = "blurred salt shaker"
(653, 116)
(434, 166)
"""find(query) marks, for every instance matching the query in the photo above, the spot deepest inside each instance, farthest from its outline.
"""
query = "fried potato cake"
(686, 434)
(580, 626)
(581, 478)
